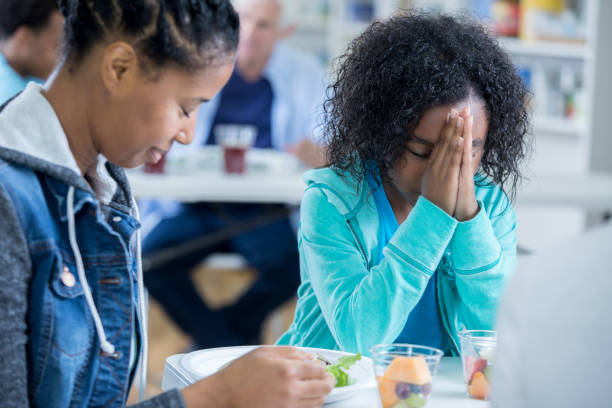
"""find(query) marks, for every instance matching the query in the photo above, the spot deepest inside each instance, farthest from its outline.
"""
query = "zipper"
(444, 317)
(348, 222)
(438, 283)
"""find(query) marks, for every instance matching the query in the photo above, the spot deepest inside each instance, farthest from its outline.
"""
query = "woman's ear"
(119, 67)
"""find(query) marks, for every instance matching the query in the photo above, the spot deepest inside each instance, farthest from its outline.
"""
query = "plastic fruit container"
(404, 373)
(477, 349)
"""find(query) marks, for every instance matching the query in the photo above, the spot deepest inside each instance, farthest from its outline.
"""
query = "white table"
(271, 177)
(276, 177)
(448, 391)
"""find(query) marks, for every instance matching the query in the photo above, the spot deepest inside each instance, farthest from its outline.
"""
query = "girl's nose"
(184, 137)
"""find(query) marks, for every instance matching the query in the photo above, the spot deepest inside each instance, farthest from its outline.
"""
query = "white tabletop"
(270, 177)
(448, 391)
(276, 177)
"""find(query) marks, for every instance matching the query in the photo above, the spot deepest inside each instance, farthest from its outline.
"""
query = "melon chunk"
(412, 370)
(386, 387)
(479, 387)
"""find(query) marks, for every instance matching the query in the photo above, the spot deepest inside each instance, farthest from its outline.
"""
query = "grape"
(487, 372)
(426, 389)
(403, 390)
(416, 401)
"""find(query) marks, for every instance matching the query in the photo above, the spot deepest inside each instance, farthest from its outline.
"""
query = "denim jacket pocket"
(72, 328)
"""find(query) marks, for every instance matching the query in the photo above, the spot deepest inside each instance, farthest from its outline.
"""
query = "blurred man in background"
(30, 32)
(277, 90)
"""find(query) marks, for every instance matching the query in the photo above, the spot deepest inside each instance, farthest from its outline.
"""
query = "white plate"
(200, 364)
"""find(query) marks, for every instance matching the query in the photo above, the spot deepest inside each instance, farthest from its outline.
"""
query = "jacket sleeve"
(169, 399)
(483, 253)
(15, 273)
(365, 305)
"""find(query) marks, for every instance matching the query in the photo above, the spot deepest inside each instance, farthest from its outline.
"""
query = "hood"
(31, 135)
(342, 190)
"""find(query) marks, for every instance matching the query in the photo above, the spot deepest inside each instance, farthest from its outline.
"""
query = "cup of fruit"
(404, 373)
(477, 348)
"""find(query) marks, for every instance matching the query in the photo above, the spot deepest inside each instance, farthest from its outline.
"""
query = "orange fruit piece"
(412, 370)
(386, 387)
(479, 387)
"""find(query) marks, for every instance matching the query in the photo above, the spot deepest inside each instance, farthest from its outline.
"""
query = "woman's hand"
(265, 377)
(308, 152)
(440, 183)
(467, 206)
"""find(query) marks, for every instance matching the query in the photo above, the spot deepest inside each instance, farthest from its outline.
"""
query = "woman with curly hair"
(408, 235)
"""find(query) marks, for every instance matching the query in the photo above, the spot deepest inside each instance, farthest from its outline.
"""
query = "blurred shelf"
(350, 28)
(592, 191)
(560, 126)
(550, 49)
(313, 22)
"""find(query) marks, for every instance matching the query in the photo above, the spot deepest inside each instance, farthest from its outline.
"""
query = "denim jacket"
(69, 261)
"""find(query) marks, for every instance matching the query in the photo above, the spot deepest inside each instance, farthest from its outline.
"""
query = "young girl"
(408, 235)
(72, 316)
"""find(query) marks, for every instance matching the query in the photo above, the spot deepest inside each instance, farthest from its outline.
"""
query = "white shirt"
(555, 328)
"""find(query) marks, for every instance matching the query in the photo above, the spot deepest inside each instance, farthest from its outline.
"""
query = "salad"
(338, 368)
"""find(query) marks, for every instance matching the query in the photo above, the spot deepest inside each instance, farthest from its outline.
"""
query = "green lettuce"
(337, 369)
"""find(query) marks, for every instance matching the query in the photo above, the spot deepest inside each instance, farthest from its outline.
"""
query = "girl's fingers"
(455, 149)
(440, 152)
(467, 148)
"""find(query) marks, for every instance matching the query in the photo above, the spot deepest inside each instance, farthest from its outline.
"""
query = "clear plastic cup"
(404, 373)
(477, 349)
(235, 141)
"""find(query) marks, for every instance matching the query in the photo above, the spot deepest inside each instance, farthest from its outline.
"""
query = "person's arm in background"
(312, 154)
(15, 273)
(309, 95)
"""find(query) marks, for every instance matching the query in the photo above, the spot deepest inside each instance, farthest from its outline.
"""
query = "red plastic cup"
(235, 140)
(234, 159)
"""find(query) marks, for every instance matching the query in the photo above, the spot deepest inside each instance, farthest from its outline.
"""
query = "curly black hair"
(401, 67)
(189, 33)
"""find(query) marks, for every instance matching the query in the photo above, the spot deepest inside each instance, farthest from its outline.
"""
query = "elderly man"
(278, 91)
(30, 32)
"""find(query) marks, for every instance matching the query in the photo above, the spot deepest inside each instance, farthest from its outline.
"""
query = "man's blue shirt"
(246, 103)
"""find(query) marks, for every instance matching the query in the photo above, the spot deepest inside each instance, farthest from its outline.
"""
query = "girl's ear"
(119, 67)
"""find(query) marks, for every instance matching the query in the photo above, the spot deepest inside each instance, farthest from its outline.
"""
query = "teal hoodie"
(349, 302)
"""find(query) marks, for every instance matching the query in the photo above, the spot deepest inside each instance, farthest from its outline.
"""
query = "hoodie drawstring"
(144, 322)
(105, 345)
